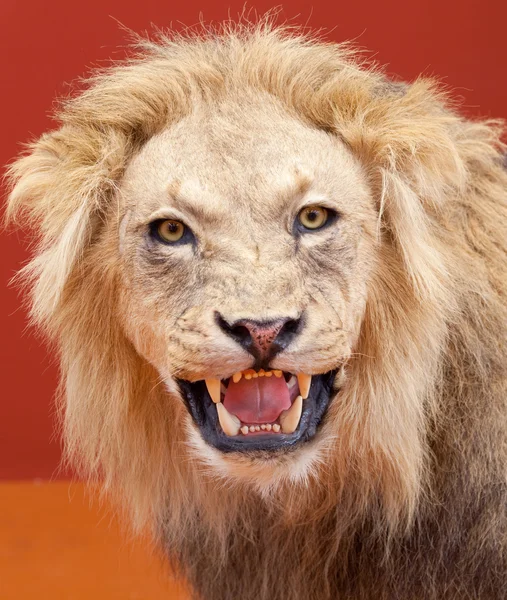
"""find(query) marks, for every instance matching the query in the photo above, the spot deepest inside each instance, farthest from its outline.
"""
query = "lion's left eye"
(169, 230)
(313, 217)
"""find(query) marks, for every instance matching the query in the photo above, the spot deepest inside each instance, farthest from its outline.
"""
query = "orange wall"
(59, 541)
(45, 45)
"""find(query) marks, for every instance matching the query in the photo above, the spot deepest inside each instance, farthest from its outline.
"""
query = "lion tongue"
(259, 400)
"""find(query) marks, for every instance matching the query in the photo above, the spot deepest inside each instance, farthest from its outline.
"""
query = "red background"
(46, 45)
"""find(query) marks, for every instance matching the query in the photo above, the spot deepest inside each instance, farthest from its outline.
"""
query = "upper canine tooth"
(304, 382)
(213, 386)
(290, 418)
(237, 376)
(230, 424)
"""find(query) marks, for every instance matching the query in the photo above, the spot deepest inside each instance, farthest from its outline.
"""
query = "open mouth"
(258, 410)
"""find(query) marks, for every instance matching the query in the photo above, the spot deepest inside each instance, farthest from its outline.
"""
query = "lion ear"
(417, 152)
(409, 131)
(60, 185)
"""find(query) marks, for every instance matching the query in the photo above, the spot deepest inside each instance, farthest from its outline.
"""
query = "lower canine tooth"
(230, 424)
(304, 382)
(213, 386)
(290, 418)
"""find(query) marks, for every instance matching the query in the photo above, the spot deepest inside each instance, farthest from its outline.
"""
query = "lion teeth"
(304, 382)
(290, 418)
(244, 429)
(213, 386)
(276, 428)
(237, 376)
(229, 423)
(278, 373)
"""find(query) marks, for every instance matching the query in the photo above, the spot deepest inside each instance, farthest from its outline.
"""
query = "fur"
(402, 494)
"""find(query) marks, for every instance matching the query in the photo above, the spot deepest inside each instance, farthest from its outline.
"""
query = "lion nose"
(263, 339)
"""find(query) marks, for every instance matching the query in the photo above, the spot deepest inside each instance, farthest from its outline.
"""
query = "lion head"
(250, 262)
(243, 278)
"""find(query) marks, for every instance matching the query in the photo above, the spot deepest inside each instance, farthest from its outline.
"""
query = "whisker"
(357, 354)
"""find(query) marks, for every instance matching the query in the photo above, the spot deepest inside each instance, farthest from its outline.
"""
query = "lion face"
(246, 244)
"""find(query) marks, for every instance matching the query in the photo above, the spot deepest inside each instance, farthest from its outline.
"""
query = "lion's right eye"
(313, 217)
(169, 231)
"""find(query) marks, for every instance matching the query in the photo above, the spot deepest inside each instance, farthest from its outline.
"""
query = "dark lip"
(204, 414)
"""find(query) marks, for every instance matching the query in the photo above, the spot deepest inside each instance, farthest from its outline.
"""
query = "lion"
(277, 283)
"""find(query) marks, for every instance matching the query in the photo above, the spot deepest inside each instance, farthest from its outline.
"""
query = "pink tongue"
(259, 400)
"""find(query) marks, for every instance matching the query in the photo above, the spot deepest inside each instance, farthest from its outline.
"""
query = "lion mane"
(407, 498)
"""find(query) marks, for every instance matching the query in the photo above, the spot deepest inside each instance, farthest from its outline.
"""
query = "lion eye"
(170, 231)
(313, 217)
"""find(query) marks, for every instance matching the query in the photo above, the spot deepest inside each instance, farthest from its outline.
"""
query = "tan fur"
(402, 493)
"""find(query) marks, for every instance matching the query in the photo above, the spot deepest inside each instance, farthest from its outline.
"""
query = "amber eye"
(313, 217)
(170, 230)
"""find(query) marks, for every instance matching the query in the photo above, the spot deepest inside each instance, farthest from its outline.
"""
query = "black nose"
(263, 339)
